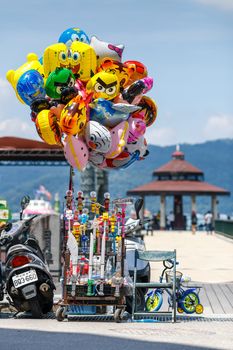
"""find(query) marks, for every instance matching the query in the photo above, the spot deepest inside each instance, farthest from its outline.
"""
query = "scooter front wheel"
(154, 301)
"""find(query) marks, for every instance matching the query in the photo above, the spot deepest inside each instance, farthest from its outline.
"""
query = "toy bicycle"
(187, 300)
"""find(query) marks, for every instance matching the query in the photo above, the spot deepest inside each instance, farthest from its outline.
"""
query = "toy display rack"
(93, 255)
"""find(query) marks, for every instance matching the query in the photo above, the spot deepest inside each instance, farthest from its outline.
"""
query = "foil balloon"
(74, 116)
(73, 34)
(119, 135)
(76, 152)
(48, 128)
(104, 49)
(30, 86)
(148, 110)
(55, 56)
(110, 114)
(58, 81)
(97, 137)
(82, 60)
(104, 85)
(13, 76)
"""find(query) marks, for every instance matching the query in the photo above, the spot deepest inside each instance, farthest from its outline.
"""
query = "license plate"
(24, 278)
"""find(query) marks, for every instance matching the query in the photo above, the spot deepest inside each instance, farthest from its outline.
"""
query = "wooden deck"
(217, 298)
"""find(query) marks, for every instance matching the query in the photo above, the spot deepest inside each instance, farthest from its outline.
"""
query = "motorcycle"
(28, 282)
(134, 242)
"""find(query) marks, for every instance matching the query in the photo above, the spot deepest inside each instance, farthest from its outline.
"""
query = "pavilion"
(179, 178)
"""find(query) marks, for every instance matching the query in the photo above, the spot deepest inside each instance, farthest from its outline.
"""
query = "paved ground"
(204, 258)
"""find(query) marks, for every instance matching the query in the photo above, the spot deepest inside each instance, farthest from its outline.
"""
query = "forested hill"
(214, 158)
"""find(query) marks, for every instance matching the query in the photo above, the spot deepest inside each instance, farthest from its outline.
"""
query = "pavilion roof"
(170, 187)
(177, 166)
(10, 142)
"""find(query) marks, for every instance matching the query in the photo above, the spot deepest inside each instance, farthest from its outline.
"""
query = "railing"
(224, 227)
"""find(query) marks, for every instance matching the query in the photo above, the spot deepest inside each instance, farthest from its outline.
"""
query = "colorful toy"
(133, 93)
(137, 128)
(110, 114)
(30, 86)
(74, 116)
(93, 199)
(140, 70)
(76, 152)
(55, 56)
(48, 128)
(104, 85)
(122, 71)
(58, 81)
(98, 138)
(139, 145)
(119, 136)
(14, 76)
(80, 200)
(82, 60)
(148, 110)
(103, 50)
(73, 34)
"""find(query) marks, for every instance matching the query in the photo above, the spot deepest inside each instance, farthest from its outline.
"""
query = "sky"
(186, 45)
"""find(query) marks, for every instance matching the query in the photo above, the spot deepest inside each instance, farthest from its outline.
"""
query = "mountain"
(214, 158)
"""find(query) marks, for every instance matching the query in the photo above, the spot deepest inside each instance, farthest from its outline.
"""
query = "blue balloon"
(30, 86)
(73, 34)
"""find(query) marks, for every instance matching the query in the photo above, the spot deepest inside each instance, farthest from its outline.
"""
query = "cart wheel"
(61, 313)
(180, 310)
(118, 315)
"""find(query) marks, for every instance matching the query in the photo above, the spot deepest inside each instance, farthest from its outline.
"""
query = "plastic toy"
(97, 137)
(148, 110)
(137, 128)
(103, 50)
(14, 76)
(110, 114)
(82, 60)
(140, 70)
(48, 128)
(76, 152)
(55, 56)
(74, 116)
(119, 136)
(58, 81)
(104, 85)
(73, 34)
(122, 71)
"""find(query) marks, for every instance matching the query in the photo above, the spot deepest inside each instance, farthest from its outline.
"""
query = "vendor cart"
(93, 256)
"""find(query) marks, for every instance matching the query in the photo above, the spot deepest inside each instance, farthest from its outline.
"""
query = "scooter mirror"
(138, 206)
(24, 202)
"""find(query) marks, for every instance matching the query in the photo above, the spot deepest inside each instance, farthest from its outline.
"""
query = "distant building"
(179, 178)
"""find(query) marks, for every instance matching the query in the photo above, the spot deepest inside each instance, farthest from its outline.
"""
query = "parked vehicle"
(188, 300)
(26, 277)
(134, 242)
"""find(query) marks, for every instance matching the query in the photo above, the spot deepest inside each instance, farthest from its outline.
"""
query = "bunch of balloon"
(85, 99)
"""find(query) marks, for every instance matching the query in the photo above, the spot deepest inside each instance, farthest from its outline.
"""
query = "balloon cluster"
(84, 98)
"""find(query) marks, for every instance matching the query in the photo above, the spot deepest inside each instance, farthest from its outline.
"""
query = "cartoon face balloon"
(97, 137)
(55, 56)
(83, 61)
(76, 152)
(73, 34)
(30, 86)
(104, 49)
(74, 116)
(122, 71)
(104, 85)
(13, 76)
(59, 80)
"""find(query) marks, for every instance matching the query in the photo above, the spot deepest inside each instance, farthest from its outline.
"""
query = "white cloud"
(218, 127)
(225, 5)
(16, 127)
(160, 136)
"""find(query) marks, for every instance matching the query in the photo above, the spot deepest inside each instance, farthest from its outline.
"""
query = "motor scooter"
(28, 283)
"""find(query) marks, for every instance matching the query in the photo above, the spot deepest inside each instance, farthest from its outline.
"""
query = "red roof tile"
(9, 142)
(178, 187)
(177, 166)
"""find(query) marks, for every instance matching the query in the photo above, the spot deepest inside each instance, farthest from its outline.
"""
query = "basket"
(170, 274)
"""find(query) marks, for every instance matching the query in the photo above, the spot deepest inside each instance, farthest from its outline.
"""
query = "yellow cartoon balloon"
(74, 116)
(104, 85)
(48, 128)
(32, 63)
(55, 56)
(83, 60)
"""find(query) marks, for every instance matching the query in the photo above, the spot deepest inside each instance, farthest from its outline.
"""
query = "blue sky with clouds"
(187, 46)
